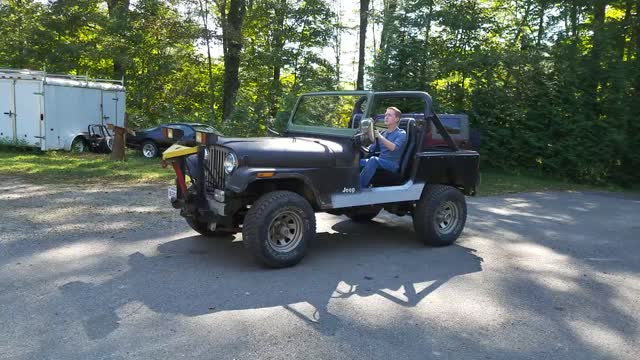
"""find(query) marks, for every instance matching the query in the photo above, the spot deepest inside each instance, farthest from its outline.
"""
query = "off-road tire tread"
(254, 221)
(426, 206)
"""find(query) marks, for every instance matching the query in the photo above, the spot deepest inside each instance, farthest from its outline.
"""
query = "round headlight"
(230, 163)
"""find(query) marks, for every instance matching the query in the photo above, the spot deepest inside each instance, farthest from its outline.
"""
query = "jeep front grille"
(214, 171)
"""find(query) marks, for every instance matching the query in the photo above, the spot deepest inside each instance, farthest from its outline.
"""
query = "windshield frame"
(316, 129)
(371, 98)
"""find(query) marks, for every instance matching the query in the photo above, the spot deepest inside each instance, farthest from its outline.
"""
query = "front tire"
(440, 215)
(108, 145)
(278, 228)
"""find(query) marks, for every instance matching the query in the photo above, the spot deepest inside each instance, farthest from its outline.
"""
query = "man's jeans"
(369, 167)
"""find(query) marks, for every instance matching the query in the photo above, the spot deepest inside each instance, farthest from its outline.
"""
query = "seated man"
(391, 143)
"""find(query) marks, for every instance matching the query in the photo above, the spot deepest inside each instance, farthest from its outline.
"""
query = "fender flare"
(243, 177)
(83, 135)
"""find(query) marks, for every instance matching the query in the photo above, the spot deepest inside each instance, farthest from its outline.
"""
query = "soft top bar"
(429, 114)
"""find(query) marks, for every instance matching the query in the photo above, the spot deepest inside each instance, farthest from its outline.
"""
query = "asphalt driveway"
(92, 273)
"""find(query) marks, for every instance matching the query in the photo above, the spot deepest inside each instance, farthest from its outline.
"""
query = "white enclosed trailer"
(50, 111)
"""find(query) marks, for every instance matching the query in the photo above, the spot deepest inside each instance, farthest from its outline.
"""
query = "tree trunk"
(337, 38)
(364, 15)
(523, 23)
(599, 8)
(424, 67)
(636, 44)
(275, 92)
(232, 47)
(573, 14)
(626, 31)
(637, 31)
(543, 6)
(204, 12)
(427, 28)
(277, 47)
(373, 32)
(118, 11)
(389, 12)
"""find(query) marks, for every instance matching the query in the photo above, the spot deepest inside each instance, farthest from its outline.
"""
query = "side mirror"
(270, 125)
(366, 131)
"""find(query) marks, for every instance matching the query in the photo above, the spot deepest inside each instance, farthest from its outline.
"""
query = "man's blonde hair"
(396, 111)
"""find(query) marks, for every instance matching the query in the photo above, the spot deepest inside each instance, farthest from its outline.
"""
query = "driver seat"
(387, 178)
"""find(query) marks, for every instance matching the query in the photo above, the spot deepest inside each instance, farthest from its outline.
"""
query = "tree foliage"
(553, 86)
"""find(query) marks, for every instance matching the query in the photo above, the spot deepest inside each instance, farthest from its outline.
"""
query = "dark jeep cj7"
(270, 188)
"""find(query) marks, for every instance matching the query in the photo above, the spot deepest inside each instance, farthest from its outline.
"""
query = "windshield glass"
(206, 128)
(336, 111)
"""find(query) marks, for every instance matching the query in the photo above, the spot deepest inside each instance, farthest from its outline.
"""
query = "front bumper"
(204, 200)
(218, 208)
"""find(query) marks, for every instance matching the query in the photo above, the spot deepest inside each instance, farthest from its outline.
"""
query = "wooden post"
(118, 143)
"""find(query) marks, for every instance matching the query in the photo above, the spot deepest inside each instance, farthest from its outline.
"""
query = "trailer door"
(7, 110)
(28, 99)
(110, 104)
(69, 112)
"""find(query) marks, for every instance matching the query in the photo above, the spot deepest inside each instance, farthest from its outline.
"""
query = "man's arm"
(391, 145)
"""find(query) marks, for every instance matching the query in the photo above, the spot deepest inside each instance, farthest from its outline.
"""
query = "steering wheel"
(366, 133)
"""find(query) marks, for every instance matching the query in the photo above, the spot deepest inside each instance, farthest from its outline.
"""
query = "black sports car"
(151, 141)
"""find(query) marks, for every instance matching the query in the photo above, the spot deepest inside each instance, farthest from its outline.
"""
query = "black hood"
(289, 152)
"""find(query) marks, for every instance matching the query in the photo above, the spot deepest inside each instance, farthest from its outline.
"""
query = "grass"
(497, 182)
(86, 168)
(68, 168)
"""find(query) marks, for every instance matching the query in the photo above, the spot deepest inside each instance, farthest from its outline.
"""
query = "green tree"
(21, 34)
(364, 17)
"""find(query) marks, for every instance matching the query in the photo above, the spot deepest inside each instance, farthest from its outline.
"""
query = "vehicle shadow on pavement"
(195, 276)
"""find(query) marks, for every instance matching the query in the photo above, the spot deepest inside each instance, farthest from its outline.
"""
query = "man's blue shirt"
(398, 137)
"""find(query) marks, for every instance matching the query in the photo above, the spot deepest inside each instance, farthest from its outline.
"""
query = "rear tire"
(278, 227)
(440, 215)
(202, 228)
(149, 149)
(78, 145)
